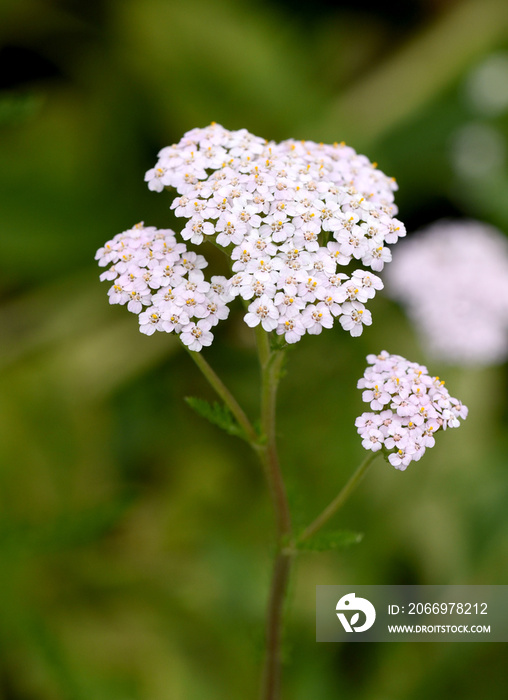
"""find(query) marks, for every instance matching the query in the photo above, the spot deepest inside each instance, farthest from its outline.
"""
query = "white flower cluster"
(452, 278)
(407, 408)
(289, 216)
(150, 268)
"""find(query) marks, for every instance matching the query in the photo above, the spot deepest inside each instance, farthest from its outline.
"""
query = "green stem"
(227, 397)
(271, 363)
(270, 685)
(339, 500)
(219, 247)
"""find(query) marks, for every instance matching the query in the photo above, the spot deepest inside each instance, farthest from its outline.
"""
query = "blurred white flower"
(487, 85)
(477, 151)
(452, 279)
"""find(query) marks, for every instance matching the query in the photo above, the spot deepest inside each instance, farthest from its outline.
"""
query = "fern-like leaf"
(218, 414)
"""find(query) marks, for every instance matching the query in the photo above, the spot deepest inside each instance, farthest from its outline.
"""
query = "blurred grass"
(418, 71)
(134, 537)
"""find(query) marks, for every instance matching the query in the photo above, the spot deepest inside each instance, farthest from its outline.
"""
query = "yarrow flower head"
(408, 407)
(295, 218)
(452, 278)
(151, 269)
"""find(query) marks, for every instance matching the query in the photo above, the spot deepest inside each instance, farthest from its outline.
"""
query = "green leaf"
(218, 414)
(277, 342)
(330, 540)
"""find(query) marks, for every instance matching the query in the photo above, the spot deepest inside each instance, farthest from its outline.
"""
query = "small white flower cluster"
(151, 269)
(407, 408)
(452, 278)
(289, 216)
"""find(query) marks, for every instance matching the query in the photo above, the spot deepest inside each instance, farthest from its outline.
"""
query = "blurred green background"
(136, 539)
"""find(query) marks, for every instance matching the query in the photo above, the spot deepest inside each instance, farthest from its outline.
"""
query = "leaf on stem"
(218, 414)
(325, 541)
(277, 342)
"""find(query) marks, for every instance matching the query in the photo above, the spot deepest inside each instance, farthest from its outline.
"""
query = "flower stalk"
(271, 365)
(221, 389)
(339, 500)
(271, 361)
(271, 680)
(266, 448)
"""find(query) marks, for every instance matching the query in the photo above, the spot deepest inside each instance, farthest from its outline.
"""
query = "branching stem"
(265, 447)
(227, 397)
